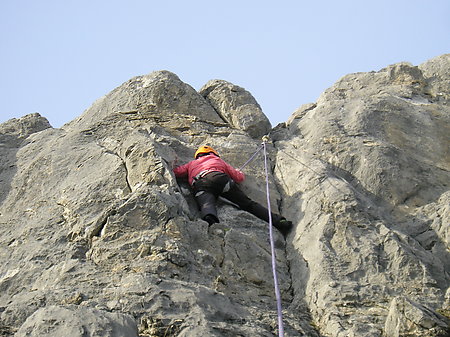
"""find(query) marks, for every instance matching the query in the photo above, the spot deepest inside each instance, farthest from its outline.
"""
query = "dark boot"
(284, 226)
(207, 204)
(210, 219)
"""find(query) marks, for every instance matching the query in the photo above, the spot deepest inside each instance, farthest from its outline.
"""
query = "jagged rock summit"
(98, 238)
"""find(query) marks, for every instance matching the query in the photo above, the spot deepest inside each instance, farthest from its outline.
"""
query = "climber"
(211, 177)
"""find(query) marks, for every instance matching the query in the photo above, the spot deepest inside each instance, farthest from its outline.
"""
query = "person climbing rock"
(211, 177)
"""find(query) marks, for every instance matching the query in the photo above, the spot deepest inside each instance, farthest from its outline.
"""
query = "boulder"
(237, 107)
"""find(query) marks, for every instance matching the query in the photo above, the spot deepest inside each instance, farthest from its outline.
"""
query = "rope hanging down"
(272, 246)
(265, 139)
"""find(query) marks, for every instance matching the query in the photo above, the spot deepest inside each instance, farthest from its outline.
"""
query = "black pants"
(208, 188)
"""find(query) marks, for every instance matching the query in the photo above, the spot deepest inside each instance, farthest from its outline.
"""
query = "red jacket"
(208, 163)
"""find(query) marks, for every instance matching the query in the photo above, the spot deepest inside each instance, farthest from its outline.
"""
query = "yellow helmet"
(205, 149)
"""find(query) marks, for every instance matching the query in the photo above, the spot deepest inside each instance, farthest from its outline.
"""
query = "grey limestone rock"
(99, 238)
(159, 93)
(56, 321)
(13, 135)
(236, 106)
(407, 318)
(366, 178)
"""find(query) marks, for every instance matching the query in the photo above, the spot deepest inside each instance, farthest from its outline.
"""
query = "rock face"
(237, 107)
(61, 321)
(98, 238)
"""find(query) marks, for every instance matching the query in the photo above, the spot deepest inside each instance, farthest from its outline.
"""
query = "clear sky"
(59, 56)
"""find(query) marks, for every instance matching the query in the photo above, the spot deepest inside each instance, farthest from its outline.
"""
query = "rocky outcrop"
(237, 107)
(365, 176)
(13, 135)
(98, 238)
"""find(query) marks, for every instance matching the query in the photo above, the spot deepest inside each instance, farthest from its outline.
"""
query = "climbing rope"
(265, 139)
(361, 195)
(314, 171)
(251, 158)
(272, 246)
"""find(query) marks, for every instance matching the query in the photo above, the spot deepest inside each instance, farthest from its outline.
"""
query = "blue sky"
(57, 57)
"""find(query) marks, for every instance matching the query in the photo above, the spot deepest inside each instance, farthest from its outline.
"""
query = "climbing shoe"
(210, 219)
(284, 226)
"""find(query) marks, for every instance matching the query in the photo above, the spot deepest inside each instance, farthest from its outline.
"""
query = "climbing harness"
(202, 174)
(272, 246)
